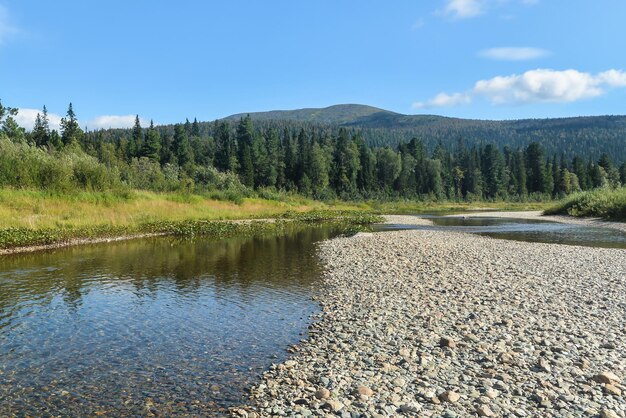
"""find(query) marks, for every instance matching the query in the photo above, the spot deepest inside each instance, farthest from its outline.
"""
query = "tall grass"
(609, 204)
(36, 209)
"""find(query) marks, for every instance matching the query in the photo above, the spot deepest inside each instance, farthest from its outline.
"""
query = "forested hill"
(339, 114)
(590, 135)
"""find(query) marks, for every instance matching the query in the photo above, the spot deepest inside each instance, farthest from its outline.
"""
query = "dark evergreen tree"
(181, 148)
(535, 168)
(245, 138)
(70, 130)
(152, 144)
(41, 130)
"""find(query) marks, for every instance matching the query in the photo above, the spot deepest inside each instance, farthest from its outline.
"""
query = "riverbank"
(430, 323)
(20, 240)
(32, 220)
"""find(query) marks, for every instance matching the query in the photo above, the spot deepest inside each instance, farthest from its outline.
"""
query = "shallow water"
(176, 327)
(528, 230)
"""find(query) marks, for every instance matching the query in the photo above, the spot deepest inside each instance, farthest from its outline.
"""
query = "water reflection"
(172, 327)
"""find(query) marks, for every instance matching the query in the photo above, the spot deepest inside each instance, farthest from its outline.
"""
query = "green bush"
(604, 203)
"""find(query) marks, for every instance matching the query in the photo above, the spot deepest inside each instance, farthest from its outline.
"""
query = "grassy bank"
(412, 207)
(35, 218)
(608, 204)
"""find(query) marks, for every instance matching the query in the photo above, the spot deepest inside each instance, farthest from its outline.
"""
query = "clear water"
(153, 325)
(529, 230)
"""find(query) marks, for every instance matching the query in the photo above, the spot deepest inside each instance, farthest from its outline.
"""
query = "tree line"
(314, 161)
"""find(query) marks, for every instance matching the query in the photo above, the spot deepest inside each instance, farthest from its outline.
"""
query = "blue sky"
(167, 61)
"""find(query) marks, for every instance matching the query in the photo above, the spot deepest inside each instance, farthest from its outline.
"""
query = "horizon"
(216, 60)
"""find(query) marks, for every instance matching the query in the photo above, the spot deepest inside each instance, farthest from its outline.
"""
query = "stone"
(607, 377)
(447, 342)
(450, 396)
(484, 411)
(412, 408)
(492, 393)
(544, 365)
(507, 358)
(363, 390)
(612, 390)
(322, 393)
(334, 405)
(607, 413)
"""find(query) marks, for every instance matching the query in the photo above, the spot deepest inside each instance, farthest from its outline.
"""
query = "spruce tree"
(181, 148)
(245, 138)
(152, 144)
(70, 131)
(41, 130)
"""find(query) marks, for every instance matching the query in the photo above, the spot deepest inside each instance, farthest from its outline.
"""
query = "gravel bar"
(446, 324)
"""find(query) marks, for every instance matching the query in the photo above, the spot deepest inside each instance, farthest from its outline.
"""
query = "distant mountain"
(587, 135)
(334, 115)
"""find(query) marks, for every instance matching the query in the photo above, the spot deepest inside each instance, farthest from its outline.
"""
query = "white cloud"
(443, 100)
(513, 53)
(543, 85)
(7, 29)
(535, 86)
(464, 9)
(114, 121)
(26, 118)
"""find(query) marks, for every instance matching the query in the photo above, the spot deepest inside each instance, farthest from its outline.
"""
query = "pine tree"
(195, 128)
(41, 130)
(181, 148)
(137, 138)
(535, 166)
(152, 144)
(245, 138)
(70, 131)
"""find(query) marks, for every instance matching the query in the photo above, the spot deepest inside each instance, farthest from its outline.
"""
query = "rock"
(447, 342)
(612, 390)
(544, 365)
(333, 405)
(322, 393)
(484, 411)
(492, 393)
(363, 390)
(450, 396)
(607, 413)
(290, 363)
(607, 377)
(507, 358)
(412, 408)
(527, 345)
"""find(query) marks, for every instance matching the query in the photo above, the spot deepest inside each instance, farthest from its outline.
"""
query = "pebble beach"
(446, 324)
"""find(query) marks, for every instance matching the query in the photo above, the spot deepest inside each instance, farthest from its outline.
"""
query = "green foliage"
(71, 133)
(232, 162)
(608, 204)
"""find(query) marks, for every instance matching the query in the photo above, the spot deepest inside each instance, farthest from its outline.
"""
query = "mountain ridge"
(351, 114)
(592, 135)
